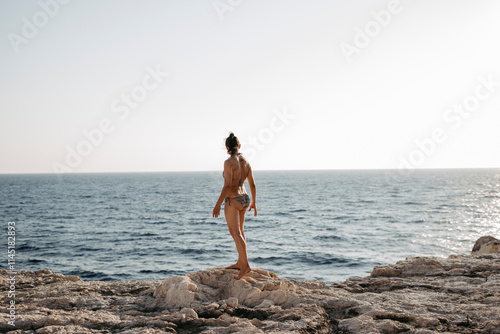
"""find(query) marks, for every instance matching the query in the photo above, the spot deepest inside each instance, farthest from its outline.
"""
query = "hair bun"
(232, 143)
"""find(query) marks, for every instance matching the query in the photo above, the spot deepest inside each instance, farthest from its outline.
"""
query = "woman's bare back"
(236, 170)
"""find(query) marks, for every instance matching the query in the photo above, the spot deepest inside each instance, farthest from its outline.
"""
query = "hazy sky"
(156, 85)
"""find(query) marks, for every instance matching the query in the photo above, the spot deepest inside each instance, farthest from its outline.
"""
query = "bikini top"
(240, 181)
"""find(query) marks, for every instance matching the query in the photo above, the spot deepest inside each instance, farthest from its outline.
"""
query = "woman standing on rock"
(236, 171)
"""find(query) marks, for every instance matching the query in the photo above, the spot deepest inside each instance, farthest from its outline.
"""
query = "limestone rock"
(459, 294)
(360, 325)
(232, 302)
(481, 241)
(198, 288)
(486, 245)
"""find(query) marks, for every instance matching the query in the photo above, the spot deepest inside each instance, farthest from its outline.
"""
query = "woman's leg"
(245, 267)
(242, 222)
(233, 223)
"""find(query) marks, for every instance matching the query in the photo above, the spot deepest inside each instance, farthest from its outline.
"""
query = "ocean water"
(326, 225)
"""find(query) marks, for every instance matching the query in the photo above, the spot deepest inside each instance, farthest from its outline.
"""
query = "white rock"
(195, 288)
(489, 247)
(486, 245)
(178, 291)
(189, 313)
(232, 302)
(266, 303)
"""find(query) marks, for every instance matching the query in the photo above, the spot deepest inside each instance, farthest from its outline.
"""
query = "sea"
(311, 225)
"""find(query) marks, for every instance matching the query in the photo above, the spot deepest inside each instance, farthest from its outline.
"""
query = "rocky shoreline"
(459, 294)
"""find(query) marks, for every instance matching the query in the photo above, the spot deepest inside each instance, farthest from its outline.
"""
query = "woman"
(236, 170)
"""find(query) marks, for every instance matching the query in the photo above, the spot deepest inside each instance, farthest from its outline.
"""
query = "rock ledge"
(460, 294)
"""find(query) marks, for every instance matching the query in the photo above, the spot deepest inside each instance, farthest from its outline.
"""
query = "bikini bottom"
(243, 200)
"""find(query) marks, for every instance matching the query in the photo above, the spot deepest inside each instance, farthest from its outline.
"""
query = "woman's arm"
(253, 189)
(228, 176)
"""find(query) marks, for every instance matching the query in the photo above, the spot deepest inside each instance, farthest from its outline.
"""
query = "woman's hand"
(254, 206)
(216, 211)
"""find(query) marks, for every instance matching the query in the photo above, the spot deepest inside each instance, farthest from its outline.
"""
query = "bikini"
(244, 200)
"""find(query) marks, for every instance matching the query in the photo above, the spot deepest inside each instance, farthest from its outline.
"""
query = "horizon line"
(256, 170)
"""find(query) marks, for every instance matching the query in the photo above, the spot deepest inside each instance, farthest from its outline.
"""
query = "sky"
(157, 85)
